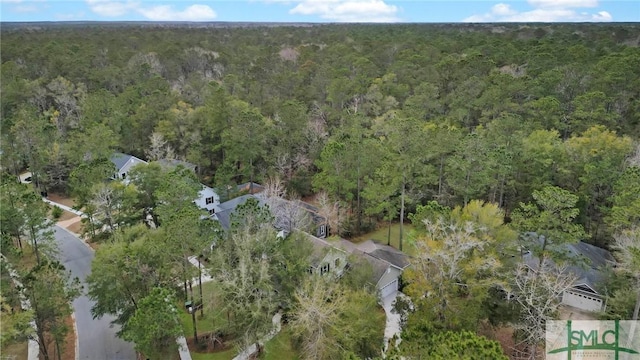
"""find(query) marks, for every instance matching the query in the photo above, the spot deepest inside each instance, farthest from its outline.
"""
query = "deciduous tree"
(154, 326)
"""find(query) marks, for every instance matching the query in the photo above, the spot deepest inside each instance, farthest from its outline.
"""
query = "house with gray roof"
(587, 264)
(223, 211)
(387, 265)
(123, 164)
(319, 225)
(384, 263)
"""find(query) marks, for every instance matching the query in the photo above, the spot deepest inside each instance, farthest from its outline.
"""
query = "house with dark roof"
(223, 211)
(319, 228)
(387, 265)
(384, 263)
(123, 164)
(587, 264)
(319, 222)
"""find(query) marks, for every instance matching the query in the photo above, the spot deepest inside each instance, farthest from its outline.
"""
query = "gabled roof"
(120, 160)
(386, 253)
(224, 217)
(312, 211)
(320, 248)
(228, 207)
(590, 261)
(233, 203)
(378, 267)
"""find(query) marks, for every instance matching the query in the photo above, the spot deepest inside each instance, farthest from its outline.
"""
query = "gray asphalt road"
(97, 338)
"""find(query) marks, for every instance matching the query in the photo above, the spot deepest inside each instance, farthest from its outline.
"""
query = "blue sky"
(321, 10)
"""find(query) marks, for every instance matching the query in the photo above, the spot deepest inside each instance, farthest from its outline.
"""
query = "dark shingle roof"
(590, 261)
(378, 267)
(385, 252)
(224, 217)
(228, 207)
(120, 160)
(392, 256)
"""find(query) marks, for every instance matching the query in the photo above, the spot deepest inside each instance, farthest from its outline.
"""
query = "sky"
(388, 11)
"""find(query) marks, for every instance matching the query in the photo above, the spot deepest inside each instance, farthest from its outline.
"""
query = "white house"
(208, 199)
(123, 164)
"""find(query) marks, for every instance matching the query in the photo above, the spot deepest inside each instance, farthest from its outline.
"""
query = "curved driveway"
(96, 337)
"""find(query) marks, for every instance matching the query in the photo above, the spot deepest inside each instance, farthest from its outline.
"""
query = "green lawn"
(213, 319)
(380, 235)
(223, 355)
(280, 347)
(213, 316)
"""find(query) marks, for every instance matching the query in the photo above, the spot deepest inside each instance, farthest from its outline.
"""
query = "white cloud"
(348, 10)
(502, 9)
(602, 16)
(111, 8)
(544, 11)
(563, 4)
(167, 13)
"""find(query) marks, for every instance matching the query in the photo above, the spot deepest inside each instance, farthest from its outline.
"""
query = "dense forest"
(383, 118)
(481, 136)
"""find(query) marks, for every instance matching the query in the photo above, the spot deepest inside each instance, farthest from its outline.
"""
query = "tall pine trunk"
(402, 213)
(193, 315)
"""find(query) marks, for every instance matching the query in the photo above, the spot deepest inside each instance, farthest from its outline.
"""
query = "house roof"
(312, 211)
(378, 267)
(228, 207)
(173, 163)
(224, 217)
(386, 253)
(120, 160)
(394, 258)
(233, 203)
(590, 260)
(320, 248)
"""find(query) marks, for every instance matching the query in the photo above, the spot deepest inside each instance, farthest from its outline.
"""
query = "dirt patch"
(19, 351)
(61, 199)
(73, 224)
(68, 348)
(210, 343)
(570, 313)
(76, 227)
(67, 216)
(503, 335)
(93, 245)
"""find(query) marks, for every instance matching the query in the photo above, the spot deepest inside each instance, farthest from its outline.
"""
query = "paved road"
(97, 338)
